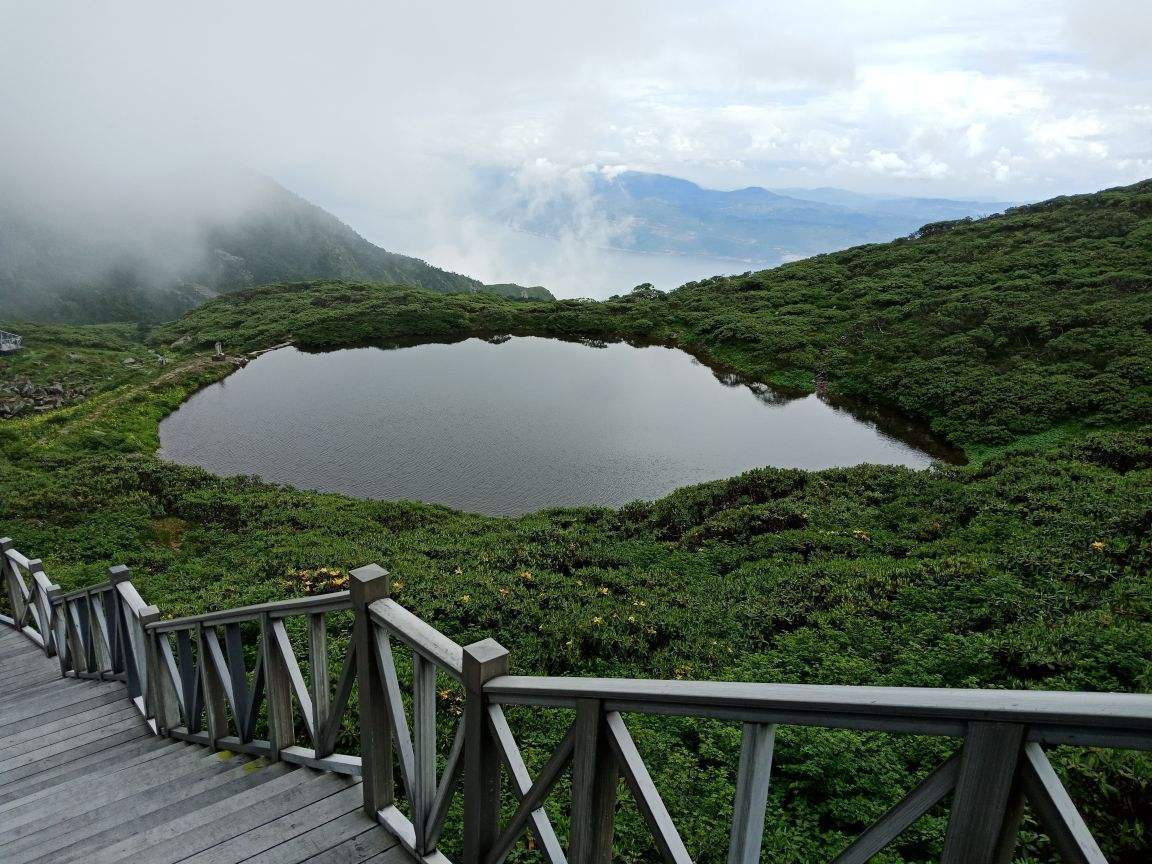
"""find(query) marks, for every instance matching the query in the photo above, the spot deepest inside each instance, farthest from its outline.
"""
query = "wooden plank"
(68, 829)
(418, 635)
(594, 777)
(1055, 810)
(277, 686)
(350, 839)
(159, 822)
(482, 662)
(988, 765)
(752, 779)
(115, 754)
(368, 584)
(929, 792)
(103, 743)
(534, 798)
(397, 721)
(331, 729)
(102, 786)
(647, 797)
(449, 782)
(423, 789)
(912, 709)
(321, 687)
(238, 676)
(95, 769)
(244, 846)
(65, 728)
(204, 827)
(249, 614)
(294, 677)
(522, 784)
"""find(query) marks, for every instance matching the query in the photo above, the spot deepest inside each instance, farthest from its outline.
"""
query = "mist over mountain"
(657, 213)
(148, 252)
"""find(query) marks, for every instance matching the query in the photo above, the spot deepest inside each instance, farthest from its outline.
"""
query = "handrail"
(190, 678)
(276, 609)
(1091, 719)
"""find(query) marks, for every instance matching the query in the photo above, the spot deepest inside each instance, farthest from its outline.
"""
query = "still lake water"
(511, 428)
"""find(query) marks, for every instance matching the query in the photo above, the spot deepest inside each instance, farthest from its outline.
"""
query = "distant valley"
(662, 215)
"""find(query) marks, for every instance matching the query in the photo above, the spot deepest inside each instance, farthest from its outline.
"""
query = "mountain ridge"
(161, 262)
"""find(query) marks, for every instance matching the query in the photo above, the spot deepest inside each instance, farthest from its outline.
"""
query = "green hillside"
(151, 269)
(1026, 338)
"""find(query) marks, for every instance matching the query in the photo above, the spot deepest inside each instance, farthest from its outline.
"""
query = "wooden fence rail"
(231, 679)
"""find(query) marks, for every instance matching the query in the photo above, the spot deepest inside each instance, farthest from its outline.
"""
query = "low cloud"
(383, 112)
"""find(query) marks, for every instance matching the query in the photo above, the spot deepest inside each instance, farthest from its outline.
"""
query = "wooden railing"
(231, 679)
(28, 592)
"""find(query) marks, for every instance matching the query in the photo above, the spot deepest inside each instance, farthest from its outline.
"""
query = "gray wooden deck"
(83, 779)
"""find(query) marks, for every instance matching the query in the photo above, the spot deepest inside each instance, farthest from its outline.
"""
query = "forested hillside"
(158, 261)
(1026, 338)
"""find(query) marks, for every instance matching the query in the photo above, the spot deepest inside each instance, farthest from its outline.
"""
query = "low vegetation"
(1026, 338)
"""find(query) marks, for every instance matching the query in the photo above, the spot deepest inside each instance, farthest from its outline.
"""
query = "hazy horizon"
(382, 114)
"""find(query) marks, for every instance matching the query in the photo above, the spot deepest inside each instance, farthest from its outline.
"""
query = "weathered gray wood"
(278, 609)
(1055, 810)
(647, 797)
(238, 674)
(394, 709)
(418, 635)
(423, 790)
(594, 779)
(522, 784)
(449, 781)
(295, 678)
(317, 847)
(752, 779)
(212, 685)
(283, 829)
(988, 766)
(906, 709)
(350, 839)
(321, 687)
(339, 704)
(369, 584)
(277, 687)
(336, 762)
(929, 792)
(480, 663)
(533, 799)
(400, 827)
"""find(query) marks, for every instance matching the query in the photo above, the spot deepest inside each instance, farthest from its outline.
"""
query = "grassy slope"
(1027, 570)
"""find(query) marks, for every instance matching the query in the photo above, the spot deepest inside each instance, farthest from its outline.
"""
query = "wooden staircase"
(84, 779)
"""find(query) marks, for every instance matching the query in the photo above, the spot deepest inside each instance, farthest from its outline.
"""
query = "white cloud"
(385, 107)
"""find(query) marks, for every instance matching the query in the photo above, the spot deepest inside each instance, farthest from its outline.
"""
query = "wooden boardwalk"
(84, 779)
(112, 719)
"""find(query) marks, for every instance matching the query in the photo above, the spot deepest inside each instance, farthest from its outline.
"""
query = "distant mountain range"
(153, 261)
(656, 213)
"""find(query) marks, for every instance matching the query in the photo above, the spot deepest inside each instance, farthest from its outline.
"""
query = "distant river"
(511, 428)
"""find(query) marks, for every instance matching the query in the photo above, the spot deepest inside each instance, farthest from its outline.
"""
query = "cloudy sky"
(381, 108)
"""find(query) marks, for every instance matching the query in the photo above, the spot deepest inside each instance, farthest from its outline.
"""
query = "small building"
(10, 342)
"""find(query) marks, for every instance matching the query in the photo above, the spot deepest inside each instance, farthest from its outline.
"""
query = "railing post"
(594, 780)
(160, 700)
(40, 605)
(752, 779)
(367, 585)
(483, 661)
(277, 692)
(9, 583)
(981, 819)
(118, 622)
(213, 690)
